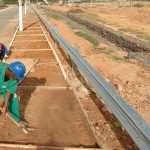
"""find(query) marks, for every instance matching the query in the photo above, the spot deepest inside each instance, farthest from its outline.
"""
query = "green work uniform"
(10, 86)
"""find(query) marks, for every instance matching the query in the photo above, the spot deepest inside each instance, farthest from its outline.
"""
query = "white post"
(20, 16)
(25, 7)
(91, 3)
(28, 2)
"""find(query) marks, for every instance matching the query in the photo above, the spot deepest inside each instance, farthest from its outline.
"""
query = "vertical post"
(37, 3)
(74, 66)
(91, 3)
(20, 16)
(57, 43)
(27, 4)
(25, 7)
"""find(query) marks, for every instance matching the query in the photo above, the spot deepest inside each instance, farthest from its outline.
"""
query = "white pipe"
(20, 16)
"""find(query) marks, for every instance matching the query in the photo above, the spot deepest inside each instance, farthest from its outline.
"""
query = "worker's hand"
(4, 110)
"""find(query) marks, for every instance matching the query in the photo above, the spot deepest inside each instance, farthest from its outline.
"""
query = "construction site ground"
(46, 102)
(56, 111)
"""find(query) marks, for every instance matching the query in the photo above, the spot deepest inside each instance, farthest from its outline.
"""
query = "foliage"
(89, 38)
(10, 1)
(138, 5)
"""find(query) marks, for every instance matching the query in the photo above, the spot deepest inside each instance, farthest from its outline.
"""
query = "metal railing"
(136, 127)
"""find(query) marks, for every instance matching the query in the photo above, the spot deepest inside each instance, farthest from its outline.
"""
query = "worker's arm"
(8, 95)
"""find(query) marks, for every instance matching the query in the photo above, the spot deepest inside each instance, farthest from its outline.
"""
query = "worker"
(3, 51)
(10, 75)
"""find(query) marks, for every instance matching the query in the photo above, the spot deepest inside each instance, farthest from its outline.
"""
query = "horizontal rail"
(134, 124)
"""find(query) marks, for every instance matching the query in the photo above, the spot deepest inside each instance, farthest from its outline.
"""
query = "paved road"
(7, 16)
(8, 23)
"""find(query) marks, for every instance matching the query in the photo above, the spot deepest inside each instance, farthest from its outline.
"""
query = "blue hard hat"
(18, 69)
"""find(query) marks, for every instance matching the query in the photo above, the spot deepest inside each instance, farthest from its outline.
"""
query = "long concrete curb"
(44, 147)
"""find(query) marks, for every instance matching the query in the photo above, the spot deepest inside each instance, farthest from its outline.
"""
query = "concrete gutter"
(44, 147)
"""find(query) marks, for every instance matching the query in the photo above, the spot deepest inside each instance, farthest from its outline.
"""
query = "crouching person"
(10, 75)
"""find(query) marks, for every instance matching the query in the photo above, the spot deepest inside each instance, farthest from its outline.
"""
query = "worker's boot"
(23, 124)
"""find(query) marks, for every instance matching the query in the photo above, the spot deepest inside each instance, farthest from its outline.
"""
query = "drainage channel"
(46, 101)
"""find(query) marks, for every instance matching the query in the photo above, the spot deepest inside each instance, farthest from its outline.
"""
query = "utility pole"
(91, 3)
(27, 3)
(20, 16)
(25, 7)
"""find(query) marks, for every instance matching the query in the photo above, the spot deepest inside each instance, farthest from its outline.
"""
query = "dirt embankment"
(123, 41)
(125, 27)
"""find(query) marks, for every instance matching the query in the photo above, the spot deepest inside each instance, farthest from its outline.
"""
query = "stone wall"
(126, 42)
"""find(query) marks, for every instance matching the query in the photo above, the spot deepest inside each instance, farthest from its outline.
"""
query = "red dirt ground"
(131, 74)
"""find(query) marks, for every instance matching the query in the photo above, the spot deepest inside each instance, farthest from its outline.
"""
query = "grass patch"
(10, 1)
(108, 52)
(138, 5)
(49, 14)
(103, 50)
(111, 54)
(73, 27)
(141, 35)
(146, 37)
(116, 58)
(99, 49)
(91, 39)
